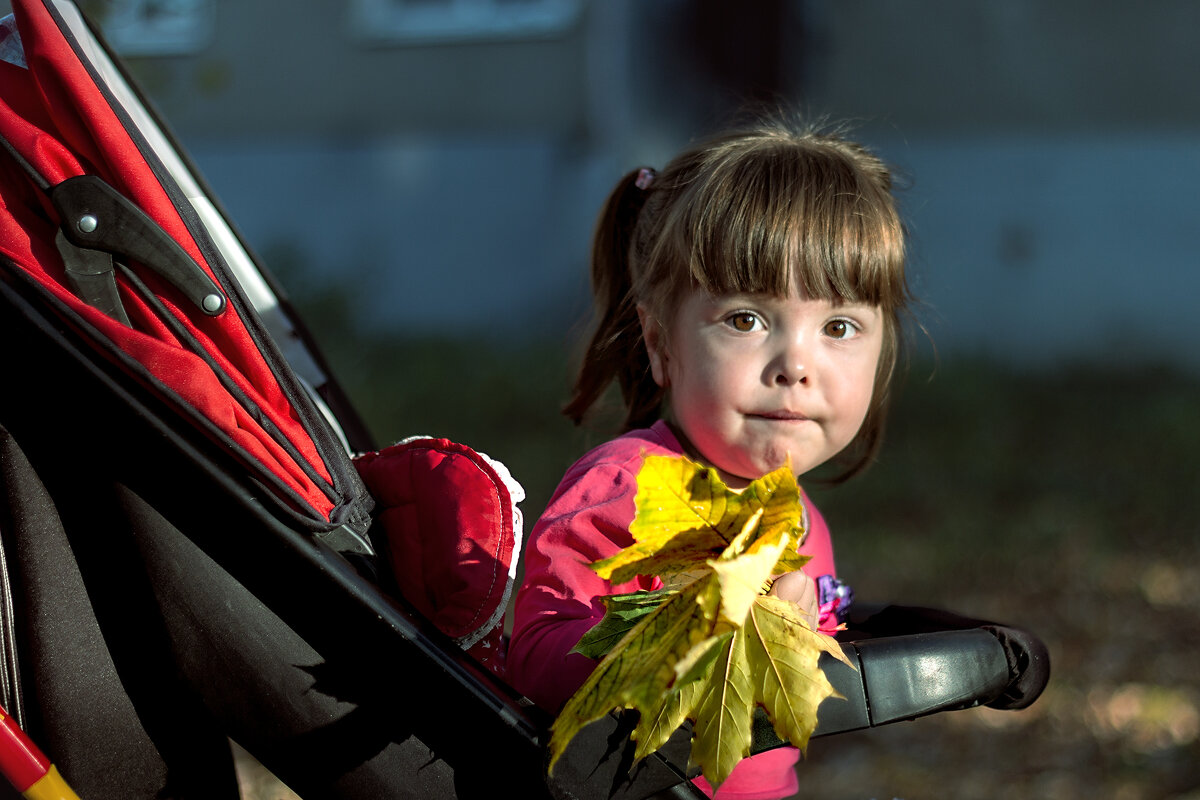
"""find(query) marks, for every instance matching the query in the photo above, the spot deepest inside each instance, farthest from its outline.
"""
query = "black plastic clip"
(98, 223)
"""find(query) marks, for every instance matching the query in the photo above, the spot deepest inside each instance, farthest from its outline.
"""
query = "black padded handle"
(904, 677)
(1027, 656)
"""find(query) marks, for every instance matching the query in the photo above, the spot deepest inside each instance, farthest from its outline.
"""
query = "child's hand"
(798, 588)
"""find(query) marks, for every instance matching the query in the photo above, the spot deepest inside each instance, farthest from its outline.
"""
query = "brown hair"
(749, 211)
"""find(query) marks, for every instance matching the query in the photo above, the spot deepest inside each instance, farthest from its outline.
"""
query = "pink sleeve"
(559, 600)
(818, 544)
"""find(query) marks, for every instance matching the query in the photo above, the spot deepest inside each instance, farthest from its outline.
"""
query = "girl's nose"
(789, 369)
(789, 375)
(789, 366)
(791, 359)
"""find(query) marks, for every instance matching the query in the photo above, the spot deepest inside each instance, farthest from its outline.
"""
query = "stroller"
(190, 554)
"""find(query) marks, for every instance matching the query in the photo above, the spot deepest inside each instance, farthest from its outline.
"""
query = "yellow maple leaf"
(712, 646)
(685, 515)
(743, 569)
(693, 672)
(723, 719)
(788, 684)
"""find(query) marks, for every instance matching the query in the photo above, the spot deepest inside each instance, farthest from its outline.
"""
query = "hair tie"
(645, 177)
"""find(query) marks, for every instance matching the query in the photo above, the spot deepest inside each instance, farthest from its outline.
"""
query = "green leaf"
(621, 613)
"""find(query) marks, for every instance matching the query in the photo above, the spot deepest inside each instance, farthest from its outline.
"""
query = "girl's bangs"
(849, 247)
(809, 222)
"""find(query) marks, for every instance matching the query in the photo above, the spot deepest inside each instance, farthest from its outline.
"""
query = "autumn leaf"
(789, 684)
(639, 671)
(692, 677)
(684, 515)
(770, 662)
(622, 612)
(711, 646)
(675, 554)
(723, 720)
(741, 575)
(680, 510)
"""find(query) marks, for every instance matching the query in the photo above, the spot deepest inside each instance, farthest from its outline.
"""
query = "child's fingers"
(797, 587)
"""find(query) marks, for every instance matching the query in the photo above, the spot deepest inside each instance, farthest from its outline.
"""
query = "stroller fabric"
(59, 121)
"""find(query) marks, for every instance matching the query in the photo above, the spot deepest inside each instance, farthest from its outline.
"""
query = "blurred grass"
(1062, 501)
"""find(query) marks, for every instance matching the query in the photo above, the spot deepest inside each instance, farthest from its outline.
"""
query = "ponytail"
(616, 350)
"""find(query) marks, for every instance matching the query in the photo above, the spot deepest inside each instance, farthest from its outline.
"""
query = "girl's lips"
(782, 416)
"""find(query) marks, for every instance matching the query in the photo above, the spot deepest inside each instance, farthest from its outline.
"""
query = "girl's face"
(755, 379)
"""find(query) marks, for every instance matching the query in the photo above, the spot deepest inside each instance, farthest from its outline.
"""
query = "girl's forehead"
(794, 294)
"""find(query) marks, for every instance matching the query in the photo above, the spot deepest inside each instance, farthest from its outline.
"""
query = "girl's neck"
(732, 482)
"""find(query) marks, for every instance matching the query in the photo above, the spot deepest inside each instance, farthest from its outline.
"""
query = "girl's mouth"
(782, 415)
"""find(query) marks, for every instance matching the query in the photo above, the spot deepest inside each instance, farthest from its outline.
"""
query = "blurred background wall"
(442, 160)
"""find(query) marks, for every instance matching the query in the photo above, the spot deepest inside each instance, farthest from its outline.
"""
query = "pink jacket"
(588, 519)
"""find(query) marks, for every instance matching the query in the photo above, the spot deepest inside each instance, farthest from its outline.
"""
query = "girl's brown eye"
(838, 329)
(743, 323)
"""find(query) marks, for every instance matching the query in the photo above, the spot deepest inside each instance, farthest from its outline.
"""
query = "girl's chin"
(737, 482)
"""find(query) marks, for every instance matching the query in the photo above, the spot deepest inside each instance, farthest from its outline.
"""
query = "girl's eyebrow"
(743, 297)
(731, 298)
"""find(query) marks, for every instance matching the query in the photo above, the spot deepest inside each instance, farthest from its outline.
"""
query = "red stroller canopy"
(135, 258)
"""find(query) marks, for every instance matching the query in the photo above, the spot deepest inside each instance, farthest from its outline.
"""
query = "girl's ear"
(656, 345)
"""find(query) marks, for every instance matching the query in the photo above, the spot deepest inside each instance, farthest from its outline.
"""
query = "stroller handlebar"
(904, 677)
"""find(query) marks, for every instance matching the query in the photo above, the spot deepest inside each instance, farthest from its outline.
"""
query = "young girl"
(748, 299)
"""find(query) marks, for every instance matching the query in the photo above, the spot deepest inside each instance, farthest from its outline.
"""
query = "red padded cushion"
(448, 519)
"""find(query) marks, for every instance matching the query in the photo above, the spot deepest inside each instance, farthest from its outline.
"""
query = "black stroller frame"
(158, 599)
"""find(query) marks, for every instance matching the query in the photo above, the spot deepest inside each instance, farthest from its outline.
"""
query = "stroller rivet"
(88, 223)
(212, 303)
